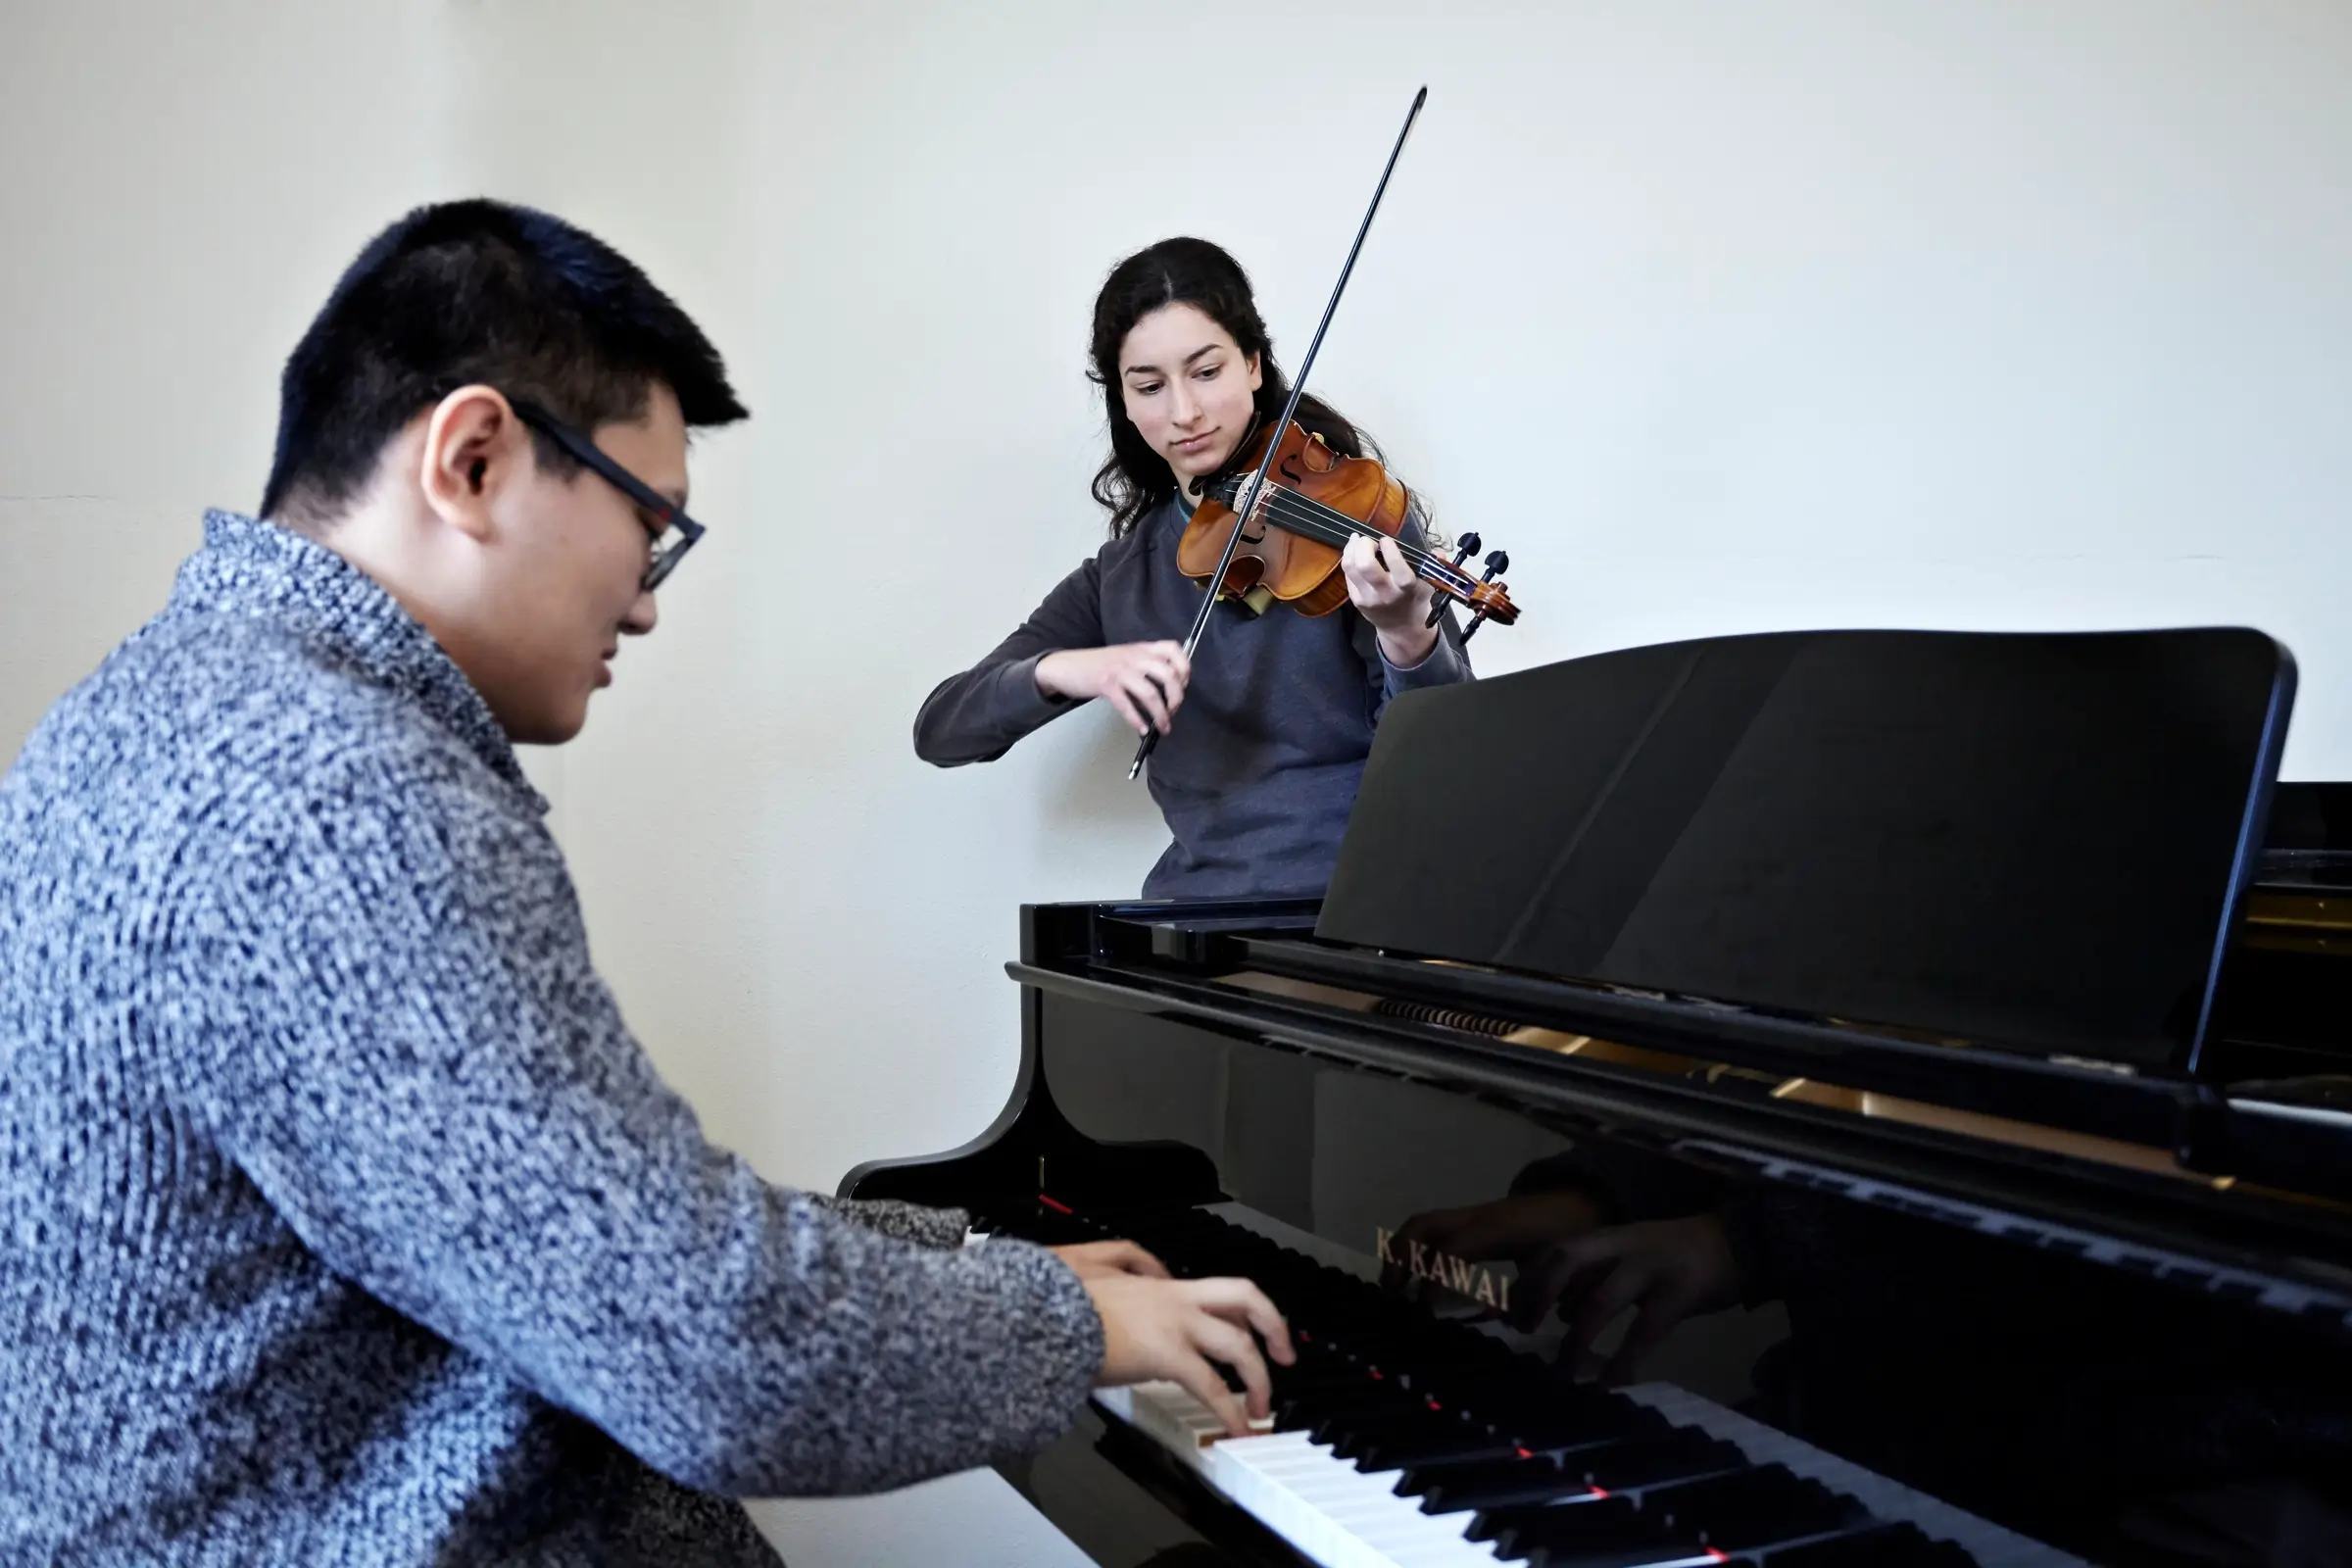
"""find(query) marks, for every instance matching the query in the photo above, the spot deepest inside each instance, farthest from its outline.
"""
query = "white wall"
(1719, 317)
(178, 185)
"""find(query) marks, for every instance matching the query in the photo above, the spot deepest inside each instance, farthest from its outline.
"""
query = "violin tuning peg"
(1470, 543)
(1497, 563)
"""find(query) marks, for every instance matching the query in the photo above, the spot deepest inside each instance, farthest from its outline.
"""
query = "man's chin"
(550, 728)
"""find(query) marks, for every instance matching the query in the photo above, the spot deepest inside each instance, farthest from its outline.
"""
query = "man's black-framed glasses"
(678, 531)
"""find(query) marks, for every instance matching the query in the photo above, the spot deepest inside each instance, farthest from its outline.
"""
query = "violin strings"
(1306, 515)
(1303, 514)
(1307, 510)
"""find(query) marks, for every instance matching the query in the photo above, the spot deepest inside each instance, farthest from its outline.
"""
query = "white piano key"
(1337, 1514)
(1341, 1517)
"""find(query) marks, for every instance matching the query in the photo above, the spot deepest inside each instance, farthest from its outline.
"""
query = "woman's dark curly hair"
(1134, 478)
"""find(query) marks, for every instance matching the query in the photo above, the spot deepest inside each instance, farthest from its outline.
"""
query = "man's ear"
(473, 446)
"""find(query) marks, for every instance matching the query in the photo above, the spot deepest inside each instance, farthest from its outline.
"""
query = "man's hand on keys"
(1157, 1327)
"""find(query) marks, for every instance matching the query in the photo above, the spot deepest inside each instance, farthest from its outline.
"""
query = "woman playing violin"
(1278, 708)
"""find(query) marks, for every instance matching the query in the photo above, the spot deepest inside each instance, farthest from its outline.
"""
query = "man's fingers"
(1123, 1258)
(1136, 1260)
(1221, 1341)
(1200, 1380)
(1242, 1301)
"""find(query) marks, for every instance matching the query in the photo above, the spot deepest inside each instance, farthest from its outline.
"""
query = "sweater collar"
(251, 567)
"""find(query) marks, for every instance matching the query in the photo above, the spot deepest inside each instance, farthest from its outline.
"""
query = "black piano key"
(1685, 1456)
(1431, 1450)
(1585, 1429)
(1350, 1438)
(1665, 1554)
(1608, 1532)
(1492, 1484)
(1517, 1528)
(1338, 1382)
(1422, 1474)
(1750, 1509)
(1511, 1520)
(1336, 1430)
(1512, 1388)
(1646, 1445)
(1318, 1368)
(1311, 1374)
(1883, 1546)
(1326, 1412)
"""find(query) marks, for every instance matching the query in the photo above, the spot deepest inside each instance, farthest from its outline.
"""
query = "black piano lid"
(1467, 808)
(2032, 842)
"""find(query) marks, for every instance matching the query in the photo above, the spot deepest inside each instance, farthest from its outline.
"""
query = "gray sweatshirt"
(1258, 776)
(341, 1218)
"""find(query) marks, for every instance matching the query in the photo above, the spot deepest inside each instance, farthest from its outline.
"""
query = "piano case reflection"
(1947, 972)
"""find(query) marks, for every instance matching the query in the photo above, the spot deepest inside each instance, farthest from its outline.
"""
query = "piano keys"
(2042, 1271)
(1437, 1448)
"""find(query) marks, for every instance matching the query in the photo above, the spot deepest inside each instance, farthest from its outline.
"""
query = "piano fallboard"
(2060, 1334)
(2118, 1195)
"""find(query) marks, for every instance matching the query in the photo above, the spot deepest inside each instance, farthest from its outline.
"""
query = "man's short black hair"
(477, 291)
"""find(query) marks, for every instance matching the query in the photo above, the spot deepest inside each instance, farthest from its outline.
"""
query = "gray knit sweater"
(341, 1219)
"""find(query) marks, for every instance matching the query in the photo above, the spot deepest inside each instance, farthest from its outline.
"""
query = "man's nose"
(640, 616)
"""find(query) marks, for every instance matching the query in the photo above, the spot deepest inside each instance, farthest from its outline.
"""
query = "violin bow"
(1257, 480)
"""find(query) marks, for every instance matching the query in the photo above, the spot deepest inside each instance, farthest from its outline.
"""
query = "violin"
(1295, 528)
(1311, 503)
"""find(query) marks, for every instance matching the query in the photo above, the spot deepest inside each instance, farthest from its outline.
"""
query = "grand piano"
(1981, 997)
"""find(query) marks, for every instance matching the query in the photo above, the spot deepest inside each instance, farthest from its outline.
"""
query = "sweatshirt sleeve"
(421, 1072)
(1447, 661)
(977, 716)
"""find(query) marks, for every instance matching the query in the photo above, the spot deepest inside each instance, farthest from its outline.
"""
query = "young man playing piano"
(345, 1220)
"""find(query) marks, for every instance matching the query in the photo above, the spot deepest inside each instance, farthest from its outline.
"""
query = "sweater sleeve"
(1447, 661)
(908, 1222)
(421, 1072)
(977, 716)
